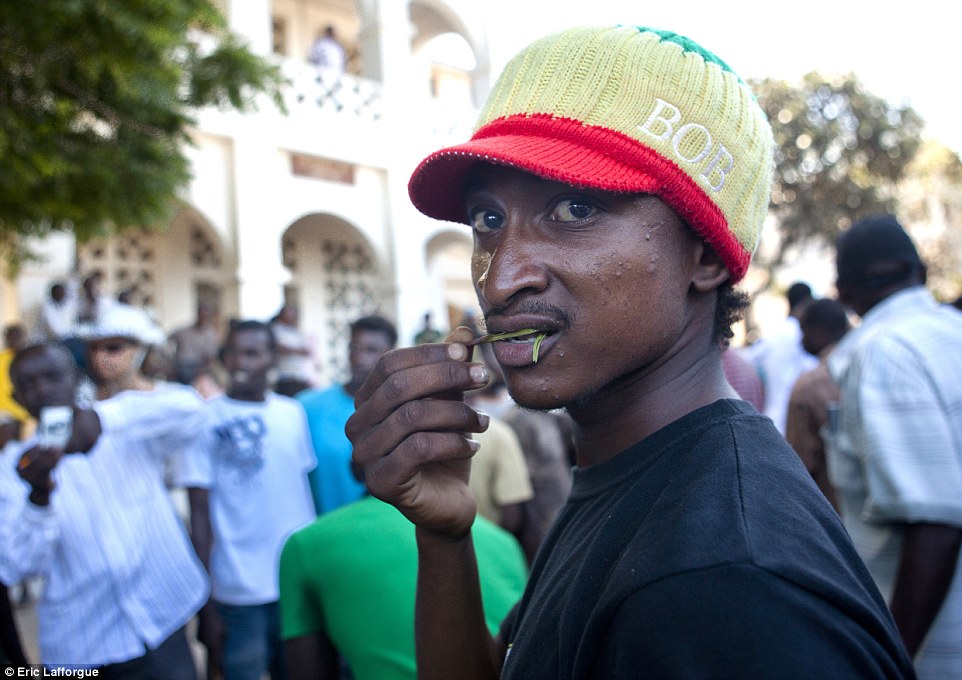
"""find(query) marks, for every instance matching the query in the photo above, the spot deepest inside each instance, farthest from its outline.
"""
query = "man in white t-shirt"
(248, 491)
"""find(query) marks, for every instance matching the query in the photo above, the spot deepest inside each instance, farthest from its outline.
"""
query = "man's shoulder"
(359, 517)
(182, 332)
(931, 335)
(730, 481)
(282, 401)
(275, 407)
(809, 381)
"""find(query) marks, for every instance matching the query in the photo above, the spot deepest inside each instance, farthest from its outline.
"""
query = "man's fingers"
(422, 415)
(393, 475)
(410, 384)
(407, 358)
(39, 458)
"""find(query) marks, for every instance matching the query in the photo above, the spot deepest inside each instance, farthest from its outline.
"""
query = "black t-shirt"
(703, 551)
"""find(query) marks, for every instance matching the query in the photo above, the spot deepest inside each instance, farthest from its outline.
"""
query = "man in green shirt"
(348, 585)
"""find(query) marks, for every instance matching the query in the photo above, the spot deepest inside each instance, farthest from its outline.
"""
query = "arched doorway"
(166, 273)
(335, 278)
(449, 264)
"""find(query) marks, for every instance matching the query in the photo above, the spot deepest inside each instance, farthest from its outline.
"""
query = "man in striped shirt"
(93, 517)
(896, 457)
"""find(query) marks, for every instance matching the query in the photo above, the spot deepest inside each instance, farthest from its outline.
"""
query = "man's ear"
(709, 272)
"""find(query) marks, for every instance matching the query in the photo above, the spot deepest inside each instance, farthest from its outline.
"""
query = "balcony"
(313, 89)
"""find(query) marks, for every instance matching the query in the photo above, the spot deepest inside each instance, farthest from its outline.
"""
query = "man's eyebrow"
(472, 183)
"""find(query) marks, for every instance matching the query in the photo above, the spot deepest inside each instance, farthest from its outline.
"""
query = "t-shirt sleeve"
(742, 621)
(301, 609)
(307, 456)
(194, 467)
(913, 469)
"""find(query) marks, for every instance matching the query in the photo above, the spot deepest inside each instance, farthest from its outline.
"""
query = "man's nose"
(515, 266)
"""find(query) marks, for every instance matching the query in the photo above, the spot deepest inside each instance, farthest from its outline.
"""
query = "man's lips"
(522, 334)
(521, 348)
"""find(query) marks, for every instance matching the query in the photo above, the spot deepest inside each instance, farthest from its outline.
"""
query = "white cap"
(123, 321)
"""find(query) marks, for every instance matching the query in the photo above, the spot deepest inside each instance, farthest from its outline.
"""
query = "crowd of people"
(602, 487)
(232, 423)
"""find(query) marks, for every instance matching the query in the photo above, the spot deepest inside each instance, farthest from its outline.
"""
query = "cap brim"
(572, 152)
(437, 185)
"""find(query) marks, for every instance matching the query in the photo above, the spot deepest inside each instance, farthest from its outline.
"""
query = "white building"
(310, 207)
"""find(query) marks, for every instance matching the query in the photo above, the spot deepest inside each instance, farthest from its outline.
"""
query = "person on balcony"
(327, 53)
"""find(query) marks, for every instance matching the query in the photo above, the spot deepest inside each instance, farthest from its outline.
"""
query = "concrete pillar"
(261, 275)
(251, 19)
(384, 40)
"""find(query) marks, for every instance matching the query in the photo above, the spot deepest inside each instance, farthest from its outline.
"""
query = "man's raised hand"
(409, 433)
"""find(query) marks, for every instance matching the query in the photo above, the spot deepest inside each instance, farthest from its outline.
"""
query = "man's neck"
(609, 423)
(247, 395)
(135, 383)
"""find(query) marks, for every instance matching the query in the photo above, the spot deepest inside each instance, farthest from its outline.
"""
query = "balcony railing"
(337, 93)
(314, 90)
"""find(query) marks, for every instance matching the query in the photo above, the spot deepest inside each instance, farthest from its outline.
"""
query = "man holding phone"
(89, 512)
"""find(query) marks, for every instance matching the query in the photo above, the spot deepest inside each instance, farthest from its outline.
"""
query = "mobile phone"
(55, 426)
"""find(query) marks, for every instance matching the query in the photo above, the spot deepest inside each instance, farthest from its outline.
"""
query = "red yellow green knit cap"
(623, 109)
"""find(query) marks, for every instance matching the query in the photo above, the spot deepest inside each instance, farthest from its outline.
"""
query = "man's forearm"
(451, 635)
(929, 556)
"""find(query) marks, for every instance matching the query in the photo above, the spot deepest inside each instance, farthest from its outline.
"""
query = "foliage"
(840, 152)
(97, 98)
(930, 200)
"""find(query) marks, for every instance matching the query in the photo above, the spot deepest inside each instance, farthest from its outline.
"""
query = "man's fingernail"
(484, 419)
(457, 352)
(479, 374)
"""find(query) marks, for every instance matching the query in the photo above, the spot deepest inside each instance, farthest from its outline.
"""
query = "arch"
(336, 276)
(448, 257)
(193, 245)
(432, 18)
(165, 272)
(436, 24)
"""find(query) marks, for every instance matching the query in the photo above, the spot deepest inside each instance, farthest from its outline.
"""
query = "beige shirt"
(499, 475)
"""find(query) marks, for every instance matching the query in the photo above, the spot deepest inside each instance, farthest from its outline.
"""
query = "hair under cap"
(623, 109)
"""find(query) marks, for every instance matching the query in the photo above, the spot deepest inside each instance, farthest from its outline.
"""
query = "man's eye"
(572, 210)
(483, 220)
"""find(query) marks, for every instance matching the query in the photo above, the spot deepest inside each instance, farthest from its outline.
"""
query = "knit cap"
(624, 109)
